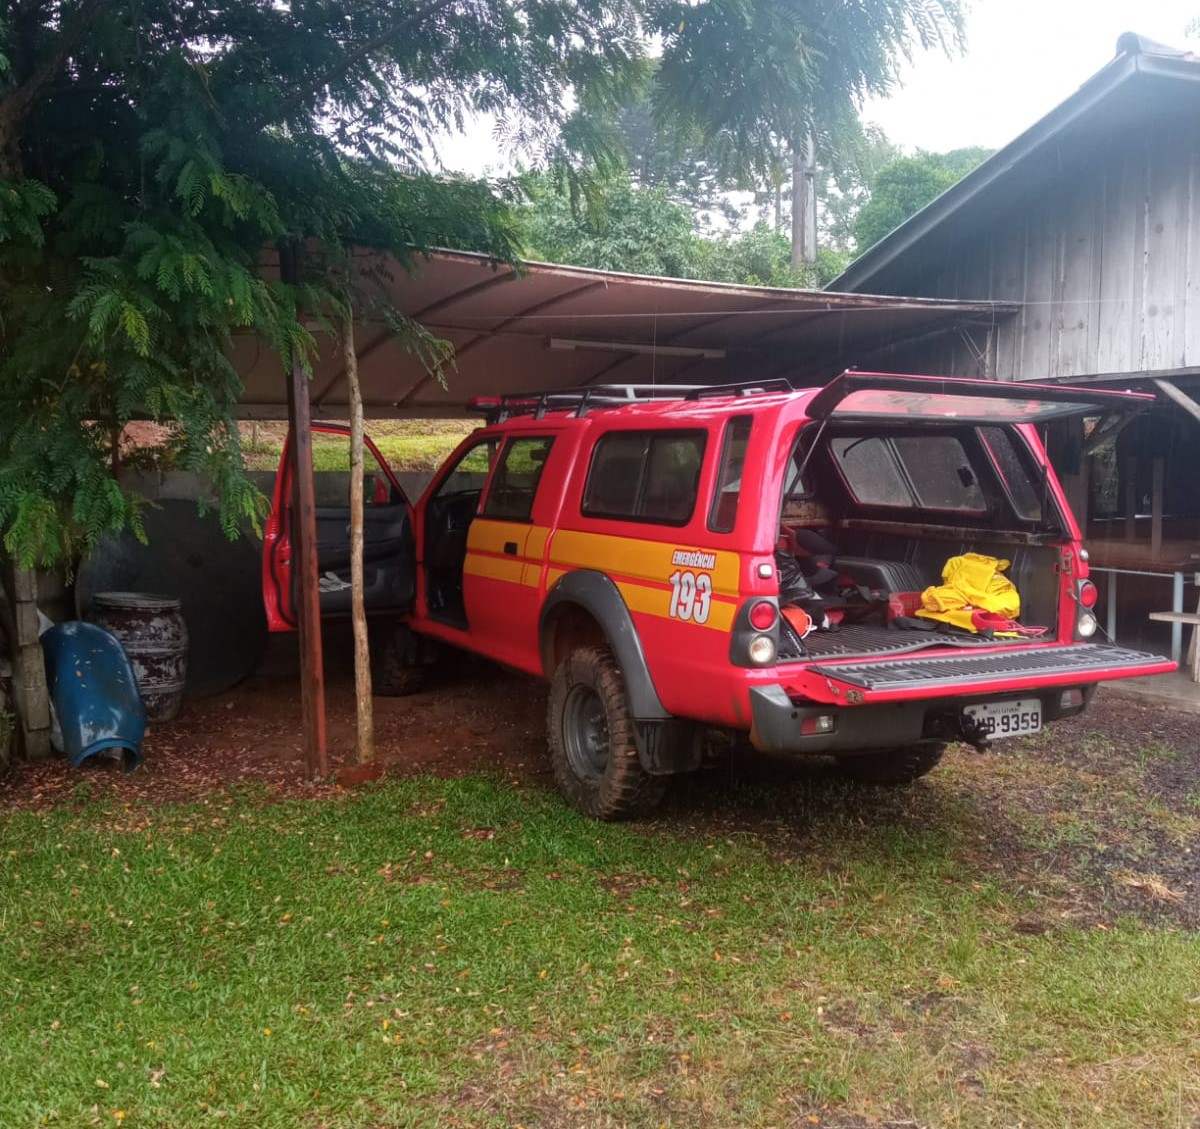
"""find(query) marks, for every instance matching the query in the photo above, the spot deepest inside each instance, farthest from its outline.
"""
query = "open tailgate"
(1000, 671)
(874, 396)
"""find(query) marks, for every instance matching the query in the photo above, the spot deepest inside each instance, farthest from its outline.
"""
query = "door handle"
(510, 547)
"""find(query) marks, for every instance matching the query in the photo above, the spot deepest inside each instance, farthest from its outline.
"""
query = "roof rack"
(580, 401)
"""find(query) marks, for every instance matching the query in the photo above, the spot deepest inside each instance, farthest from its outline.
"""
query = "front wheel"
(892, 766)
(593, 749)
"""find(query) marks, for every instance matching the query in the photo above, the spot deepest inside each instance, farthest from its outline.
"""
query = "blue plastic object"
(95, 693)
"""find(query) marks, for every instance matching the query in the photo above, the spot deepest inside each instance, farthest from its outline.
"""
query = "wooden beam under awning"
(1179, 397)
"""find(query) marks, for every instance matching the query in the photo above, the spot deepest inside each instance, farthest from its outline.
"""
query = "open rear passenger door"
(389, 547)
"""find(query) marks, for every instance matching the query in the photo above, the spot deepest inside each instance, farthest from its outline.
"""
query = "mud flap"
(667, 748)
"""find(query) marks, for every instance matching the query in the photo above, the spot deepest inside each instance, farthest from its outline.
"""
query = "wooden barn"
(1089, 224)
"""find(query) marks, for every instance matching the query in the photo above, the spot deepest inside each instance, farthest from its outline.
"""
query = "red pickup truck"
(748, 557)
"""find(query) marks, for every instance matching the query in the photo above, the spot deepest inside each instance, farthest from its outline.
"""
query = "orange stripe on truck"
(641, 569)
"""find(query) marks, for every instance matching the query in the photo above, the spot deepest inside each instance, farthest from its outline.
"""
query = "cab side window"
(651, 476)
(515, 481)
(470, 471)
(723, 515)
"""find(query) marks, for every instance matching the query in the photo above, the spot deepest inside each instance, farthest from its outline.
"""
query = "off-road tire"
(588, 708)
(395, 671)
(892, 766)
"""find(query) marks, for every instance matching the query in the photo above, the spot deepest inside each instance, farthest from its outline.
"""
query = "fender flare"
(596, 594)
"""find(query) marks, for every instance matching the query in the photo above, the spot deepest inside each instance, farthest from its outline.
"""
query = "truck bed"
(864, 640)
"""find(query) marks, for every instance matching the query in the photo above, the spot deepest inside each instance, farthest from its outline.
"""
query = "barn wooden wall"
(1104, 256)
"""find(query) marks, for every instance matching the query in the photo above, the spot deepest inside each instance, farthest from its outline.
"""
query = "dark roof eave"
(995, 168)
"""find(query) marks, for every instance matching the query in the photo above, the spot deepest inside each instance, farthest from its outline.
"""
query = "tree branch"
(363, 51)
(17, 103)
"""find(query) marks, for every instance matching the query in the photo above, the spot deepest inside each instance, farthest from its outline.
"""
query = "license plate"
(1007, 719)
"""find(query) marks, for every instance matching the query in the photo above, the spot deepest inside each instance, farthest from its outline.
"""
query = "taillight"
(762, 650)
(754, 640)
(1086, 624)
(763, 615)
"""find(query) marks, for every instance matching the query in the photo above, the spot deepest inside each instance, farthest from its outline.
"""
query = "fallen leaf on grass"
(1150, 884)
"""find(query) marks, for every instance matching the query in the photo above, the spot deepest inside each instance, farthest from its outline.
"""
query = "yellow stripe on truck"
(486, 536)
(494, 568)
(486, 556)
(657, 601)
(535, 553)
(644, 560)
(641, 569)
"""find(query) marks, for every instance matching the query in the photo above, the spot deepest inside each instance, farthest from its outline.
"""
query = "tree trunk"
(31, 696)
(362, 652)
(804, 202)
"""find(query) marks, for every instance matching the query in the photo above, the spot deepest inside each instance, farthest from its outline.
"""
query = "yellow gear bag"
(971, 581)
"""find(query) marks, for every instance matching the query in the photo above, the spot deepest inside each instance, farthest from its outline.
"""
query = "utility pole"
(804, 201)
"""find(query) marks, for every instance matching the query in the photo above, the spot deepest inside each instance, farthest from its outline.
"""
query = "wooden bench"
(1192, 618)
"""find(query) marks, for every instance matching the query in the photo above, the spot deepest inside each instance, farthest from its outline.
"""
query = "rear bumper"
(778, 721)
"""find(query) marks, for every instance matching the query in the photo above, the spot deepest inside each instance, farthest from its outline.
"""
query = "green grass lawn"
(409, 445)
(470, 953)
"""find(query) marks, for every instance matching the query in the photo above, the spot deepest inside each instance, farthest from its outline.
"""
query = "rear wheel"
(592, 746)
(396, 669)
(892, 766)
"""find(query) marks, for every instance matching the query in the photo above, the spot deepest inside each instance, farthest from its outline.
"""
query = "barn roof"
(543, 327)
(1146, 82)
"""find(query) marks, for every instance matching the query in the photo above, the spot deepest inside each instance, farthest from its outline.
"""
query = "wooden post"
(1083, 501)
(1074, 468)
(362, 650)
(304, 569)
(1131, 466)
(1156, 509)
(31, 695)
(304, 551)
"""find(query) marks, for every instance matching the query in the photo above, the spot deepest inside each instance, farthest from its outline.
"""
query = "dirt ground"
(1098, 814)
(471, 716)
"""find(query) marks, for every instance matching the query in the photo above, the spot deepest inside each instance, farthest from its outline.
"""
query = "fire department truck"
(752, 558)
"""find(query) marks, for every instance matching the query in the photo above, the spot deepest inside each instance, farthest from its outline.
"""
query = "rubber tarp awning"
(547, 327)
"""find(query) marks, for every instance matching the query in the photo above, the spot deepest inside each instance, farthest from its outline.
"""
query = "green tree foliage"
(905, 186)
(756, 78)
(642, 231)
(846, 172)
(762, 256)
(621, 228)
(150, 150)
(676, 158)
(740, 84)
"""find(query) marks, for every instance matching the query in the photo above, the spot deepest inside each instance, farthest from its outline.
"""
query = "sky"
(1023, 57)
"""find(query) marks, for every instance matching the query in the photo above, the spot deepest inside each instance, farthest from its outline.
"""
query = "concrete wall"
(332, 487)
